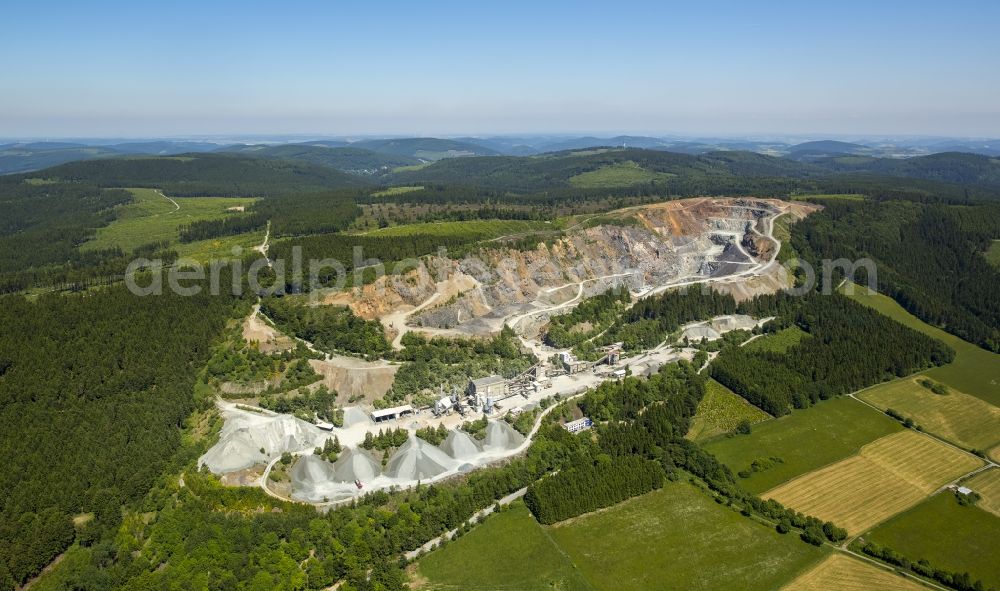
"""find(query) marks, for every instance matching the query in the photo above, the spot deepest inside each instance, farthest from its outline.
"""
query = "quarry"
(728, 243)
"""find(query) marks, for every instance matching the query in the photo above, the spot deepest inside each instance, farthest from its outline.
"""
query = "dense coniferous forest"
(582, 489)
(92, 409)
(928, 258)
(43, 226)
(853, 346)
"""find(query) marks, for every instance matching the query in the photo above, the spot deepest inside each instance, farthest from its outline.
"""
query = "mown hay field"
(987, 484)
(958, 417)
(844, 573)
(888, 476)
(720, 412)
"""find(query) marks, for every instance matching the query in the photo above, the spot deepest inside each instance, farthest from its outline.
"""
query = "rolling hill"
(205, 174)
(425, 148)
(343, 158)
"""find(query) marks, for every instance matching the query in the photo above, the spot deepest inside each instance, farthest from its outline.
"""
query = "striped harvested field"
(987, 484)
(958, 417)
(844, 573)
(887, 476)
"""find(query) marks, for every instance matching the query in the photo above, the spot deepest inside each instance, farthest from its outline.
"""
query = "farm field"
(510, 550)
(948, 535)
(617, 175)
(987, 484)
(778, 342)
(975, 371)
(721, 411)
(844, 573)
(886, 477)
(805, 440)
(962, 419)
(679, 538)
(153, 218)
(674, 538)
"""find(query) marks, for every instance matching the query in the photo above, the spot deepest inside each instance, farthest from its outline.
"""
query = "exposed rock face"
(654, 245)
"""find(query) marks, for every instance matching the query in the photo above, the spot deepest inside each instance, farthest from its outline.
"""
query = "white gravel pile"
(500, 436)
(246, 433)
(460, 445)
(417, 460)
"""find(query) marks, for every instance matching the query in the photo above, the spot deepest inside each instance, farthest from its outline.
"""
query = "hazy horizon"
(719, 69)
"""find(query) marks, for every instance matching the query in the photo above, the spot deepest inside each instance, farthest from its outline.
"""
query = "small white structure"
(618, 374)
(579, 425)
(964, 490)
(391, 413)
(324, 425)
(443, 405)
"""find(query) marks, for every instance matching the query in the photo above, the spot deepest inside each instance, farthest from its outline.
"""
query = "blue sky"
(447, 68)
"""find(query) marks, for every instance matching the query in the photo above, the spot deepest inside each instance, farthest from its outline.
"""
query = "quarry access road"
(263, 246)
(177, 206)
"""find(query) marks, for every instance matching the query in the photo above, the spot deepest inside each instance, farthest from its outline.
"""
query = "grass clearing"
(720, 412)
(153, 218)
(948, 535)
(482, 229)
(987, 484)
(778, 342)
(679, 538)
(805, 440)
(218, 248)
(842, 572)
(975, 371)
(673, 538)
(396, 191)
(509, 551)
(962, 419)
(886, 477)
(830, 197)
(993, 254)
(621, 174)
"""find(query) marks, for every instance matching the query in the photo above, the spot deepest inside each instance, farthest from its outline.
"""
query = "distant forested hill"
(16, 158)
(425, 148)
(205, 174)
(949, 176)
(950, 167)
(347, 159)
